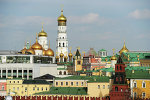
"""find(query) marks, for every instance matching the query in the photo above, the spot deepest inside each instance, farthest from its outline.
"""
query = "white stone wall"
(43, 41)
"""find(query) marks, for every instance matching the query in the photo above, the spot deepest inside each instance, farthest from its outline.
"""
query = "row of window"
(103, 87)
(67, 83)
(143, 85)
(63, 45)
(34, 88)
(143, 95)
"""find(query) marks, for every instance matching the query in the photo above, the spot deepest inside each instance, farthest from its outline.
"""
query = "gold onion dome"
(24, 49)
(113, 58)
(62, 17)
(61, 54)
(36, 45)
(42, 33)
(49, 51)
(44, 52)
(124, 49)
(70, 54)
(31, 50)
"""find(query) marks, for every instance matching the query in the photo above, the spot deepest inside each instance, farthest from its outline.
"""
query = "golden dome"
(124, 49)
(36, 45)
(23, 50)
(44, 52)
(57, 57)
(113, 58)
(66, 57)
(62, 17)
(70, 54)
(61, 54)
(49, 52)
(31, 51)
(42, 33)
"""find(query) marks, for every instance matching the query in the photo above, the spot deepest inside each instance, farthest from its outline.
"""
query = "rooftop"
(35, 82)
(66, 91)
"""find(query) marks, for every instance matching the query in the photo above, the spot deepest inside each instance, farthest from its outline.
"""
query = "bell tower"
(62, 41)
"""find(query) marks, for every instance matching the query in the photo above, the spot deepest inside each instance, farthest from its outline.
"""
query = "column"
(27, 73)
(6, 72)
(17, 72)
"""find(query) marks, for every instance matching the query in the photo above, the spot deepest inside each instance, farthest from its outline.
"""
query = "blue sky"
(97, 24)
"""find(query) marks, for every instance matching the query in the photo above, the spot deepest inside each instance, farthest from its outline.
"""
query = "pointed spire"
(113, 51)
(42, 27)
(61, 9)
(49, 43)
(36, 38)
(30, 43)
(124, 46)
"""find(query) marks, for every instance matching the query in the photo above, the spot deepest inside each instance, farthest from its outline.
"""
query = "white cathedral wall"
(43, 41)
(38, 52)
(113, 62)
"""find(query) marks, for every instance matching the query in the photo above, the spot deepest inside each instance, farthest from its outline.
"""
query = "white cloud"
(140, 14)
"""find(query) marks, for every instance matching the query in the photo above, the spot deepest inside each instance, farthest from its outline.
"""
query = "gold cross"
(42, 26)
(113, 51)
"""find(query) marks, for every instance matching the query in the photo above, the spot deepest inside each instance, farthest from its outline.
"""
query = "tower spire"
(42, 27)
(49, 43)
(36, 38)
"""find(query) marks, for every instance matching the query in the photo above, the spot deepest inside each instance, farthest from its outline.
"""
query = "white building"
(62, 41)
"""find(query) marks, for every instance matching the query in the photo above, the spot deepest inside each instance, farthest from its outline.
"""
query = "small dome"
(62, 17)
(49, 52)
(66, 57)
(113, 58)
(31, 51)
(124, 49)
(61, 54)
(44, 52)
(70, 54)
(37, 46)
(42, 33)
(23, 50)
(57, 57)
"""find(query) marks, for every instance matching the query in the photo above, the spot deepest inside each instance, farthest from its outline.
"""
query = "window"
(63, 44)
(64, 72)
(108, 86)
(9, 81)
(135, 84)
(98, 86)
(33, 88)
(61, 83)
(72, 83)
(120, 68)
(103, 86)
(46, 89)
(2, 87)
(117, 67)
(116, 88)
(60, 73)
(135, 95)
(143, 95)
(56, 83)
(18, 81)
(143, 85)
(121, 89)
(76, 83)
(59, 45)
(81, 83)
(37, 88)
(78, 62)
(25, 88)
(66, 83)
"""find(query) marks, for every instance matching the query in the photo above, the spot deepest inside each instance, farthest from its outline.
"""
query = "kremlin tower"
(62, 41)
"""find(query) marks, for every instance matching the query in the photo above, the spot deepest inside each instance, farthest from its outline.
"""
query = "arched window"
(64, 72)
(59, 45)
(116, 78)
(2, 87)
(60, 73)
(63, 44)
(120, 78)
(117, 67)
(116, 88)
(120, 67)
(63, 37)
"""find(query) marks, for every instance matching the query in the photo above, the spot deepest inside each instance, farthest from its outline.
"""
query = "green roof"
(107, 69)
(133, 56)
(138, 74)
(35, 82)
(66, 91)
(102, 50)
(136, 68)
(108, 58)
(99, 79)
(73, 78)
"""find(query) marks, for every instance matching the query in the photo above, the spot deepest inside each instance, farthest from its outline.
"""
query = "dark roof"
(46, 76)
(78, 53)
(35, 82)
(66, 91)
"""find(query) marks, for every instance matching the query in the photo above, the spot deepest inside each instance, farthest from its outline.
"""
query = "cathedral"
(40, 47)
